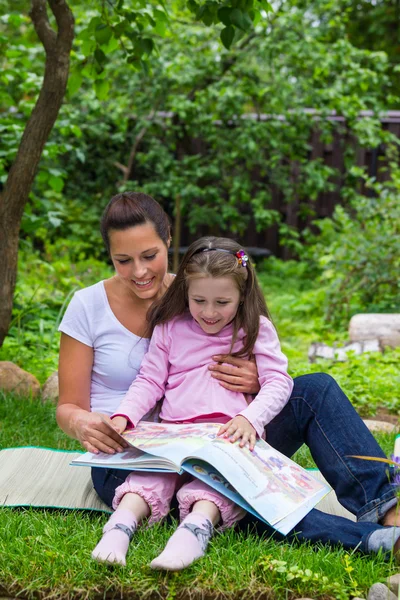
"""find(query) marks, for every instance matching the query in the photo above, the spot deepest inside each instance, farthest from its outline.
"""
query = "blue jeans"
(320, 415)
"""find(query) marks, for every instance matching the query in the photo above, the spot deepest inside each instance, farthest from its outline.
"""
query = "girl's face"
(140, 258)
(213, 302)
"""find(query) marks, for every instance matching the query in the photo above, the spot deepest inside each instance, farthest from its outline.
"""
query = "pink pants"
(157, 489)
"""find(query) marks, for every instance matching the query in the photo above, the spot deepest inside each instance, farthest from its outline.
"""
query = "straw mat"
(43, 477)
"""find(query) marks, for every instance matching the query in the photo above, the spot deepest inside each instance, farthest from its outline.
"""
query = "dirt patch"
(382, 414)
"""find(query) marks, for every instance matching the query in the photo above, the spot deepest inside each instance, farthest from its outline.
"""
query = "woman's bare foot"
(392, 517)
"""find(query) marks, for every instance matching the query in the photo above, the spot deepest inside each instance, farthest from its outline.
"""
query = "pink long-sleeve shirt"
(176, 367)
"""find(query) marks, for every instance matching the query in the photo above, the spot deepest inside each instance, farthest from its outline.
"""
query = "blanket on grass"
(43, 478)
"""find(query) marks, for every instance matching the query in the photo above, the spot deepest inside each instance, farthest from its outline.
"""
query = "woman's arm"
(236, 374)
(149, 385)
(93, 430)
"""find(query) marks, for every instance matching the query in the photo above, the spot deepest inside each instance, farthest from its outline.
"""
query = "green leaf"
(88, 47)
(56, 183)
(193, 6)
(224, 15)
(266, 6)
(100, 56)
(146, 45)
(227, 36)
(207, 16)
(120, 28)
(102, 88)
(240, 19)
(161, 21)
(74, 81)
(102, 34)
(110, 46)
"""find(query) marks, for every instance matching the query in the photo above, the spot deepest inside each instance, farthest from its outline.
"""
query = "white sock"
(187, 544)
(117, 533)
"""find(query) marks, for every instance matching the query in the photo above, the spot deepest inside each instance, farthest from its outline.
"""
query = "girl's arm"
(276, 384)
(149, 385)
(94, 430)
(236, 374)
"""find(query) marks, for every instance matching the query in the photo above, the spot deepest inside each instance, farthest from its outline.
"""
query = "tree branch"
(65, 22)
(40, 20)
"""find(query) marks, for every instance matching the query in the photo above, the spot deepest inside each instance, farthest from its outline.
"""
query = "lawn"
(46, 554)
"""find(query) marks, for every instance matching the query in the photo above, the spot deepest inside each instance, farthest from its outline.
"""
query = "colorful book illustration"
(263, 481)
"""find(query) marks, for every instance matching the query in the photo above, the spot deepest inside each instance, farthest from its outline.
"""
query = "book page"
(131, 459)
(172, 441)
(271, 483)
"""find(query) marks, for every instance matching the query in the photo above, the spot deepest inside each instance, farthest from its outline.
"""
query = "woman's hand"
(96, 433)
(236, 374)
(239, 427)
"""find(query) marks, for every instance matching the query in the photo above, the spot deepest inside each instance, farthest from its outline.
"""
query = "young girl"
(213, 307)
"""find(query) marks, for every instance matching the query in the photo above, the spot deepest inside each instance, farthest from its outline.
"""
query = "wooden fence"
(332, 155)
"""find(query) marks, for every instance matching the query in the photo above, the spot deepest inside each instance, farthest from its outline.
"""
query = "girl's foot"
(187, 544)
(117, 533)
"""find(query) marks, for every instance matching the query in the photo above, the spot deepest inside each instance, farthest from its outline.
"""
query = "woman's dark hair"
(130, 209)
(199, 263)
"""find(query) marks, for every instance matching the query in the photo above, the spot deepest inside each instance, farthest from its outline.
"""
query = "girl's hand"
(119, 424)
(242, 376)
(96, 433)
(239, 427)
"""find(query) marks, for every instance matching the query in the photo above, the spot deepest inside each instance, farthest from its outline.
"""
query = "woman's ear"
(169, 241)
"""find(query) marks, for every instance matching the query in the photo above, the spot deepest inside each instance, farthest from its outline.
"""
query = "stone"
(16, 380)
(383, 426)
(384, 327)
(50, 388)
(380, 591)
(320, 350)
(393, 583)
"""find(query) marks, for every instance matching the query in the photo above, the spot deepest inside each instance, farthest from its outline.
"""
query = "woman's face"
(140, 258)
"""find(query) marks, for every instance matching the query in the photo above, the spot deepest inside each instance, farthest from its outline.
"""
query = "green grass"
(46, 553)
(297, 306)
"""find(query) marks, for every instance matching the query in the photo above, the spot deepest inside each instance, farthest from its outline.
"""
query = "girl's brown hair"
(130, 209)
(201, 260)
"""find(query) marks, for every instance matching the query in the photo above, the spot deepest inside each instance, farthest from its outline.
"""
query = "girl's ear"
(169, 241)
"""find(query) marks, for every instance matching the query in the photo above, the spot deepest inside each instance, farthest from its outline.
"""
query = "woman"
(104, 340)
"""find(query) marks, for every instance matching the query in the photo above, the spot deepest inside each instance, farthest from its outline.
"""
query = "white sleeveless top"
(118, 353)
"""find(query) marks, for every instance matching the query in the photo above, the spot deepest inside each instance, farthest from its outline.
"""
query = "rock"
(393, 583)
(50, 388)
(380, 591)
(16, 380)
(383, 426)
(384, 327)
(319, 350)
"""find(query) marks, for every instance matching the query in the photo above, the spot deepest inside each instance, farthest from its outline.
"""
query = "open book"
(263, 481)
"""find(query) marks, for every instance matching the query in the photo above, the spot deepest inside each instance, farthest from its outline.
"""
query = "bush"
(359, 250)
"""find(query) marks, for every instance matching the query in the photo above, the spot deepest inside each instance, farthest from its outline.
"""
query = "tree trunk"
(22, 173)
